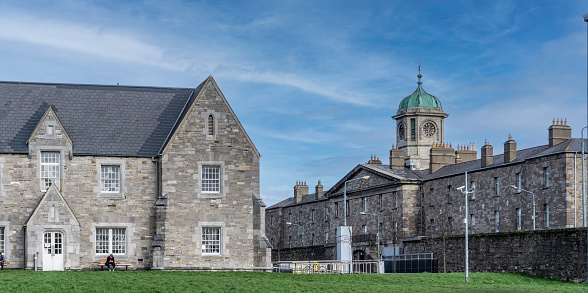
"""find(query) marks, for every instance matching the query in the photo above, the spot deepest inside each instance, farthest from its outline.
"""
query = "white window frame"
(200, 188)
(496, 221)
(364, 204)
(546, 176)
(106, 162)
(2, 239)
(199, 241)
(473, 189)
(497, 186)
(110, 176)
(546, 211)
(519, 182)
(519, 219)
(43, 173)
(111, 243)
(395, 194)
(472, 223)
(211, 179)
(211, 236)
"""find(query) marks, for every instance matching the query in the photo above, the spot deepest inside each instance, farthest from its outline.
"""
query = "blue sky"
(315, 83)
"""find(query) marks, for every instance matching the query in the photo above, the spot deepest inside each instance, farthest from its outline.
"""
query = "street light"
(466, 192)
(377, 234)
(532, 217)
(290, 224)
(345, 198)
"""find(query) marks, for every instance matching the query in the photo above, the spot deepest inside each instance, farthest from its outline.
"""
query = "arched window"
(210, 124)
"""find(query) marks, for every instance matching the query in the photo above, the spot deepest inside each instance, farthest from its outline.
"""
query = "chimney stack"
(559, 132)
(487, 155)
(319, 190)
(466, 153)
(440, 156)
(510, 150)
(396, 158)
(300, 189)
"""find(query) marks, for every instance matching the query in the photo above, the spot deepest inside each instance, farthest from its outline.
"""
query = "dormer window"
(210, 124)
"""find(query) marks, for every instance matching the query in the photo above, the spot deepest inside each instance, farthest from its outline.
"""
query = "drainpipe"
(24, 237)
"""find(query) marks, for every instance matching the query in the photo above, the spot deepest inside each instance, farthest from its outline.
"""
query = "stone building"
(416, 194)
(163, 178)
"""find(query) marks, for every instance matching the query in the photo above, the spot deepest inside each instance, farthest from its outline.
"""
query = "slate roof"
(570, 145)
(99, 119)
(308, 198)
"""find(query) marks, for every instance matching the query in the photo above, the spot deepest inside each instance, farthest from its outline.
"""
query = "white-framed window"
(546, 176)
(2, 241)
(211, 240)
(432, 226)
(473, 189)
(211, 179)
(111, 240)
(519, 182)
(496, 221)
(326, 214)
(518, 211)
(395, 203)
(497, 186)
(364, 228)
(364, 204)
(381, 201)
(110, 178)
(50, 169)
(336, 209)
(546, 210)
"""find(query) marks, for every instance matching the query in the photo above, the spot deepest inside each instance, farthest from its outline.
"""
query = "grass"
(180, 281)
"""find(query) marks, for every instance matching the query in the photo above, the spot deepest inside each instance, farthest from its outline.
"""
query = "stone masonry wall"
(558, 253)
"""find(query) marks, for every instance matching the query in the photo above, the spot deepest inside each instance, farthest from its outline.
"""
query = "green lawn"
(157, 281)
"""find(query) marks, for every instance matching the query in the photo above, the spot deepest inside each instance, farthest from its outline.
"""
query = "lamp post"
(465, 220)
(345, 198)
(290, 224)
(583, 184)
(532, 217)
(585, 20)
(377, 233)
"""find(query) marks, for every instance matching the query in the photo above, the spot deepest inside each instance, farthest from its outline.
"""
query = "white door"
(53, 251)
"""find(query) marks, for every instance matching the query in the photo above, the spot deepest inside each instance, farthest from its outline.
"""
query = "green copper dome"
(420, 98)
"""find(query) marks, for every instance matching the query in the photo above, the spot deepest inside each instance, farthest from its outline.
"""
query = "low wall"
(319, 252)
(557, 254)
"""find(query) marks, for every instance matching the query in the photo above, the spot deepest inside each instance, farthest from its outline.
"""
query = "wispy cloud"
(104, 42)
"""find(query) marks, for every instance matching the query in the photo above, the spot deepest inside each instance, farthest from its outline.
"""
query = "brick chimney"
(510, 150)
(374, 161)
(487, 155)
(466, 153)
(441, 155)
(319, 190)
(396, 158)
(559, 132)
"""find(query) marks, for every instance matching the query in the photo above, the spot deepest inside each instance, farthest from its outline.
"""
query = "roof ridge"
(93, 85)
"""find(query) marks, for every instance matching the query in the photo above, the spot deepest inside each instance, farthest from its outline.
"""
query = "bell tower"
(419, 126)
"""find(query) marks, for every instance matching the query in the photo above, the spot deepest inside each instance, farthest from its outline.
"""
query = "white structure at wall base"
(344, 253)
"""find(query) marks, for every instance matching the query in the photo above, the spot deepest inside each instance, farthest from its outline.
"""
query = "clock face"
(429, 129)
(402, 131)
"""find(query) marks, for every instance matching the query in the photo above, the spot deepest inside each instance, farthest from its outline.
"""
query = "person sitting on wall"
(110, 261)
(1, 260)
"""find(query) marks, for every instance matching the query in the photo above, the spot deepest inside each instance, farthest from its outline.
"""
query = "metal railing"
(410, 263)
(326, 267)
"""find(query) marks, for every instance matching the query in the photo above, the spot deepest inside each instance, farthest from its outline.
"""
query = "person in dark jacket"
(1, 260)
(110, 261)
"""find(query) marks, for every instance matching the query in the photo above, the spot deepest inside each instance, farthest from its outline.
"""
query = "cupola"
(420, 98)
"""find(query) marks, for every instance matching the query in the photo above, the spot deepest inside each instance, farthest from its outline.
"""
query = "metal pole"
(585, 20)
(583, 179)
(467, 277)
(345, 202)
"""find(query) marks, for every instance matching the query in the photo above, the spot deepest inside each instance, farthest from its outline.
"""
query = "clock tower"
(419, 125)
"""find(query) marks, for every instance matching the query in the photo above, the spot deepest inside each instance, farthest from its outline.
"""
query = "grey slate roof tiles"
(99, 119)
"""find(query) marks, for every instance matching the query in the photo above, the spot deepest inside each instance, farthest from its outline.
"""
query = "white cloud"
(109, 43)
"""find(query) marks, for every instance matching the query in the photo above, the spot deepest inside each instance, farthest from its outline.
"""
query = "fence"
(326, 267)
(410, 263)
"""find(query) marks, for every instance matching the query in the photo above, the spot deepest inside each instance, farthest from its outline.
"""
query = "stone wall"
(558, 253)
(319, 252)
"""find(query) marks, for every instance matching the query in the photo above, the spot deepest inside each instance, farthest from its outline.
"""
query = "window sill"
(546, 187)
(111, 195)
(211, 195)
